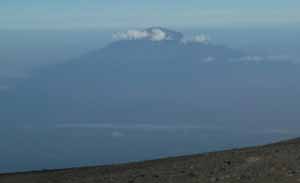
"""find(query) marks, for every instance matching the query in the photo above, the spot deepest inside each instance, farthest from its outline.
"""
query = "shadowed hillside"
(153, 76)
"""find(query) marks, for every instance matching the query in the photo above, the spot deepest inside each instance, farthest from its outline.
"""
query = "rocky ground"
(273, 163)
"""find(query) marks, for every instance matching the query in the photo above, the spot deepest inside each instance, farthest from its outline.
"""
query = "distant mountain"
(154, 76)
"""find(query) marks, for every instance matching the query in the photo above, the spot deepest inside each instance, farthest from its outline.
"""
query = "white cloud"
(153, 35)
(201, 38)
(158, 35)
(131, 35)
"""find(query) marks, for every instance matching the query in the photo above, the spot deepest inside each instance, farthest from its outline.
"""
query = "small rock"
(155, 176)
(214, 179)
(227, 162)
(291, 173)
(192, 174)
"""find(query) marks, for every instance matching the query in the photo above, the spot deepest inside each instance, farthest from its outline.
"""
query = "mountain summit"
(152, 76)
(150, 34)
(157, 44)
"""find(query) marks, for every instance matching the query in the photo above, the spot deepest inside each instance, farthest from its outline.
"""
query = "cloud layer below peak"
(153, 35)
(158, 34)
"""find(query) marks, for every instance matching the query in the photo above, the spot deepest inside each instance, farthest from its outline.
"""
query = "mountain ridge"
(144, 80)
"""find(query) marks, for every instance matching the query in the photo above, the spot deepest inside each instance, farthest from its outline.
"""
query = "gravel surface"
(273, 163)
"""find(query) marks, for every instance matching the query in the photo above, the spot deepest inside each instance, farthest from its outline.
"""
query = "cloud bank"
(153, 35)
(158, 34)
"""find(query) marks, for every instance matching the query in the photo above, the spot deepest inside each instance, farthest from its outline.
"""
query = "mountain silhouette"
(165, 80)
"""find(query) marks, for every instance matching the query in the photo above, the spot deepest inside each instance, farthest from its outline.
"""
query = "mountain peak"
(151, 34)
(169, 34)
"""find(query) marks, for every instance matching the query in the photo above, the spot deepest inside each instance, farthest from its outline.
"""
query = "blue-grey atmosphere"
(86, 83)
(103, 14)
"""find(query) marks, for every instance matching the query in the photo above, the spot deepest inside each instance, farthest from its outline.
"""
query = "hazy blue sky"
(91, 14)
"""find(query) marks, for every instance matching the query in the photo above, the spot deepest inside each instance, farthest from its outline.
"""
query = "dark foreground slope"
(274, 163)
